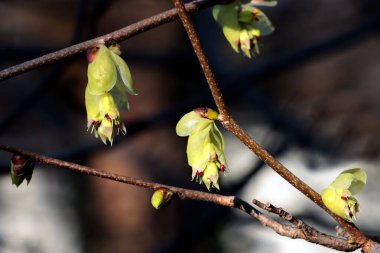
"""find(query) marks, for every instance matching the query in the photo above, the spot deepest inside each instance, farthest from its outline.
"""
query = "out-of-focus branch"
(229, 123)
(302, 230)
(117, 36)
(299, 231)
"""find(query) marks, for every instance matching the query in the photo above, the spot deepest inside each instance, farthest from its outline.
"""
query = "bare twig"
(216, 93)
(302, 230)
(229, 123)
(118, 36)
(227, 201)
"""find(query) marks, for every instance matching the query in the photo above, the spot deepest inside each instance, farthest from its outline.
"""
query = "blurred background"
(310, 98)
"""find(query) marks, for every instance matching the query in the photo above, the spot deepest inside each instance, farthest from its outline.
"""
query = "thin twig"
(227, 201)
(306, 232)
(216, 93)
(229, 123)
(116, 36)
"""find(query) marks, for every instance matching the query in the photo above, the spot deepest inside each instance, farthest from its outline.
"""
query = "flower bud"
(338, 196)
(243, 24)
(21, 168)
(205, 146)
(109, 79)
(161, 198)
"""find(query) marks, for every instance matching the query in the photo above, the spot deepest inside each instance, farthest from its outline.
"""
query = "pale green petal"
(352, 179)
(196, 155)
(227, 17)
(245, 43)
(108, 107)
(120, 97)
(101, 72)
(263, 24)
(211, 176)
(92, 106)
(105, 131)
(124, 74)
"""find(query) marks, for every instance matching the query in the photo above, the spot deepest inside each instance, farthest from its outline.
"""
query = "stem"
(181, 192)
(193, 36)
(229, 201)
(229, 123)
(116, 36)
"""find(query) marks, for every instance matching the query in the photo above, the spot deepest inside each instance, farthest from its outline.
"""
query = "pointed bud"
(161, 198)
(21, 168)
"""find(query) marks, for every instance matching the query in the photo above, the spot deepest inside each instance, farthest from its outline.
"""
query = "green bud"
(21, 168)
(161, 198)
(338, 196)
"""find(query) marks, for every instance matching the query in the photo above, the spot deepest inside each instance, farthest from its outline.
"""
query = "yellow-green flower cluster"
(243, 24)
(109, 79)
(338, 196)
(205, 146)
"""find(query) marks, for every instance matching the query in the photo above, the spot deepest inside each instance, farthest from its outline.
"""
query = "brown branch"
(227, 201)
(116, 36)
(302, 230)
(216, 93)
(229, 123)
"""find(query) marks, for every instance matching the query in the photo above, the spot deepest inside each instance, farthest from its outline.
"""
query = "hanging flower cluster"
(243, 24)
(338, 196)
(205, 146)
(109, 79)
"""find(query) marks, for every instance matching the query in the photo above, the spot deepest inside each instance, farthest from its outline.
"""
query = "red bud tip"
(91, 53)
(222, 168)
(108, 117)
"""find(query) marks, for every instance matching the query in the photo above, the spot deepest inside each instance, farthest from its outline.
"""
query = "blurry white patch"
(37, 218)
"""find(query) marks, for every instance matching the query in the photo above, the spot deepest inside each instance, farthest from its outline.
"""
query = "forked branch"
(229, 123)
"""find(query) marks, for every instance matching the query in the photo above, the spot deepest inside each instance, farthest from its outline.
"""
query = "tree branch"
(118, 36)
(302, 232)
(229, 123)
